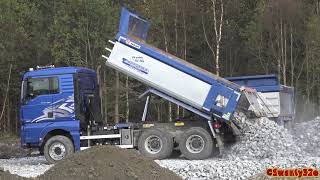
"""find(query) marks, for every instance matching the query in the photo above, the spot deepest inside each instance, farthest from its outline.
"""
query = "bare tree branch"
(205, 36)
(7, 91)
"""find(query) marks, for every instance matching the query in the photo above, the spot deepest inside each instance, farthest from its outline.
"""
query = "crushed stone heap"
(307, 136)
(263, 138)
(264, 144)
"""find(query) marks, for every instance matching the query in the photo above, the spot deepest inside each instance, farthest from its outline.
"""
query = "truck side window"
(54, 85)
(41, 86)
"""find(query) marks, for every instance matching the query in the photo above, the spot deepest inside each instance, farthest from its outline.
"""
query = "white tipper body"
(159, 75)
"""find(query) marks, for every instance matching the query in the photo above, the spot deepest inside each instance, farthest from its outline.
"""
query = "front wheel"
(57, 148)
(196, 143)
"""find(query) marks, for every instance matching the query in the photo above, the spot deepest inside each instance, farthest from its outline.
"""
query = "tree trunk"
(176, 44)
(101, 88)
(185, 40)
(105, 94)
(117, 94)
(281, 46)
(8, 114)
(127, 99)
(291, 58)
(318, 7)
(5, 99)
(217, 59)
(218, 35)
(278, 55)
(218, 32)
(166, 48)
(284, 75)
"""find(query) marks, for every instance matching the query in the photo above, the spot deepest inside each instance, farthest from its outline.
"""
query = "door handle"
(50, 114)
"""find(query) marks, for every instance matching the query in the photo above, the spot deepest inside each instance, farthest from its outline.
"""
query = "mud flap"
(235, 128)
(220, 144)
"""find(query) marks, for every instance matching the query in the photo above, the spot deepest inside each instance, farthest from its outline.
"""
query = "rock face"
(263, 144)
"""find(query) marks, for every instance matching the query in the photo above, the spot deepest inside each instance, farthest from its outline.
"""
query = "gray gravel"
(264, 144)
(232, 168)
(262, 139)
(26, 167)
(307, 136)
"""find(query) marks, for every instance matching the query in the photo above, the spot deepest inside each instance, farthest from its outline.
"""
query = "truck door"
(37, 99)
(63, 102)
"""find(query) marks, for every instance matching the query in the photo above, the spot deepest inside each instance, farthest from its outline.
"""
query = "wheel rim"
(195, 144)
(153, 144)
(57, 151)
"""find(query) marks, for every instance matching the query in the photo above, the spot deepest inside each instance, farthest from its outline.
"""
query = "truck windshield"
(34, 87)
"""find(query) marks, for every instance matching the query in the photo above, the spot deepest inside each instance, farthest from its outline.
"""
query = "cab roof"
(58, 71)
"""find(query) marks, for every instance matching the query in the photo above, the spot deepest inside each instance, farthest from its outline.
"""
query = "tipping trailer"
(185, 82)
(60, 107)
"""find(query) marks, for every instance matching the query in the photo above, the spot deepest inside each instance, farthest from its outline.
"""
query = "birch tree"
(217, 27)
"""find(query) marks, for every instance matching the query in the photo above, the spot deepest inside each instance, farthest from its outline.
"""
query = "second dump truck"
(60, 107)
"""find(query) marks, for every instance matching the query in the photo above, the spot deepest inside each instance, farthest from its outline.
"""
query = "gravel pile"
(232, 168)
(264, 144)
(263, 138)
(307, 136)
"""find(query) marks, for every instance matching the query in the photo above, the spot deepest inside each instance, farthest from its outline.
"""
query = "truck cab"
(54, 101)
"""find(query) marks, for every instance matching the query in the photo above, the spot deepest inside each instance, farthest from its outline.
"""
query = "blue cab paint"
(42, 114)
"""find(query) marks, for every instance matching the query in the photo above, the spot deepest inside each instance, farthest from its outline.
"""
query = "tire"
(196, 143)
(57, 148)
(155, 144)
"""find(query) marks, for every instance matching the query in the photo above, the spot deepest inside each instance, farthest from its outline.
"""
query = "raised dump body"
(171, 75)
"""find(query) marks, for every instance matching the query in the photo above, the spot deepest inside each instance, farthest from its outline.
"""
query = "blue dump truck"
(60, 106)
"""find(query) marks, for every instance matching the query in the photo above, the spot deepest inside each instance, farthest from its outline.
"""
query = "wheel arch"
(54, 132)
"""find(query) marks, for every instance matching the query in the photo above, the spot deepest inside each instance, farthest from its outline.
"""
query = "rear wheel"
(155, 144)
(196, 143)
(57, 148)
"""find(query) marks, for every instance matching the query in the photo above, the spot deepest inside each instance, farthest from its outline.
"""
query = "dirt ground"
(10, 148)
(5, 175)
(108, 162)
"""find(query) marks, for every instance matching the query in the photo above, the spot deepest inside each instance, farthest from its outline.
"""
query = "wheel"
(155, 144)
(196, 143)
(57, 148)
